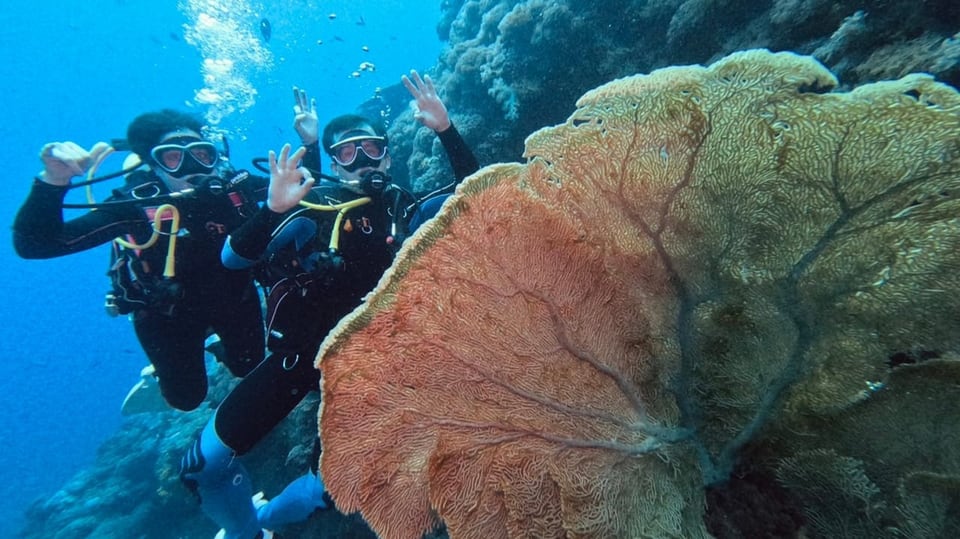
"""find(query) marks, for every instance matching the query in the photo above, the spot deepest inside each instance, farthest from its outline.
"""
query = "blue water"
(81, 71)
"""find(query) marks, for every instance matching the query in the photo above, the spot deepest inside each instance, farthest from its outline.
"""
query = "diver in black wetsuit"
(317, 266)
(173, 313)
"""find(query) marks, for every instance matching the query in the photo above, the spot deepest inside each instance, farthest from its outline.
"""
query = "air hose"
(170, 263)
(341, 210)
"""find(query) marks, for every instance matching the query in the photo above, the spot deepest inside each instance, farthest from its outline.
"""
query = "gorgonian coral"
(576, 346)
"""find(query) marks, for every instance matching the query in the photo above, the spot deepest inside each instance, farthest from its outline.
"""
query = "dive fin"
(145, 396)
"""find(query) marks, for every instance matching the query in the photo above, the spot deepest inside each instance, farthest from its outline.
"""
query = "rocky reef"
(514, 66)
(133, 489)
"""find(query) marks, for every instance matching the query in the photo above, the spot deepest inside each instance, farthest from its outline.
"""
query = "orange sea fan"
(575, 346)
(478, 439)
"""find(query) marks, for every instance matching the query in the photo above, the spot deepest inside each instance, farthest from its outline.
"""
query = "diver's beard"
(199, 179)
(176, 184)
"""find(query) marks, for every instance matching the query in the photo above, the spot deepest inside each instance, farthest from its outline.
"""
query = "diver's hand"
(428, 109)
(289, 182)
(64, 160)
(305, 117)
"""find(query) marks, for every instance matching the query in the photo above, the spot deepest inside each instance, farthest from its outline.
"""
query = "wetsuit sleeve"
(311, 159)
(39, 230)
(462, 160)
(248, 242)
(258, 187)
(464, 163)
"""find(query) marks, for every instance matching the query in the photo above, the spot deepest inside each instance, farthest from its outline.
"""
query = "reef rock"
(513, 66)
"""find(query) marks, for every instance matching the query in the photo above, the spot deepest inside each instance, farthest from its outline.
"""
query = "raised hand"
(289, 182)
(64, 160)
(305, 117)
(428, 108)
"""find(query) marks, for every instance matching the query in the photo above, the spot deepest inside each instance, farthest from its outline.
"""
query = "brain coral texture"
(696, 258)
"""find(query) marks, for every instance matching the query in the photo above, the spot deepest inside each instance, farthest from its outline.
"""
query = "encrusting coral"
(698, 258)
(532, 59)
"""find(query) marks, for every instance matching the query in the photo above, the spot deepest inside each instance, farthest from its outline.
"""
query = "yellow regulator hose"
(341, 210)
(168, 269)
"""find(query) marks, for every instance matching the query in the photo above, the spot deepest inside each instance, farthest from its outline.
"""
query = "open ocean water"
(81, 71)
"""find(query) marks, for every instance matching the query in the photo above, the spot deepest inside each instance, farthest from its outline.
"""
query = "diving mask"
(172, 157)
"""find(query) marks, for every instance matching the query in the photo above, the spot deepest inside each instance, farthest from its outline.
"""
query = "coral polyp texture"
(698, 261)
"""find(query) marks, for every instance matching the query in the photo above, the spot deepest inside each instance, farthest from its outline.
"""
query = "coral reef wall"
(514, 66)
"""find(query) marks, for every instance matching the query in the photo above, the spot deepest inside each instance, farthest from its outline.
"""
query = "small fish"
(265, 30)
(338, 38)
(361, 22)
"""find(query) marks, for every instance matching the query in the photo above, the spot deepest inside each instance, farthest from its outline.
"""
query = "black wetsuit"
(209, 297)
(309, 292)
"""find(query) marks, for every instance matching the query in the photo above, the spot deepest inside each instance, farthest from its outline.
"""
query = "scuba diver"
(168, 225)
(319, 248)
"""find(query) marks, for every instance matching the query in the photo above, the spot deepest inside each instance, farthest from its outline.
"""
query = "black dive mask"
(185, 155)
(190, 167)
(362, 160)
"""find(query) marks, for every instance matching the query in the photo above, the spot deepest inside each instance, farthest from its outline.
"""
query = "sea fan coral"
(576, 346)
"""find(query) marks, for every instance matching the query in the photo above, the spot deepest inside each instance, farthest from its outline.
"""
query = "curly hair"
(146, 130)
